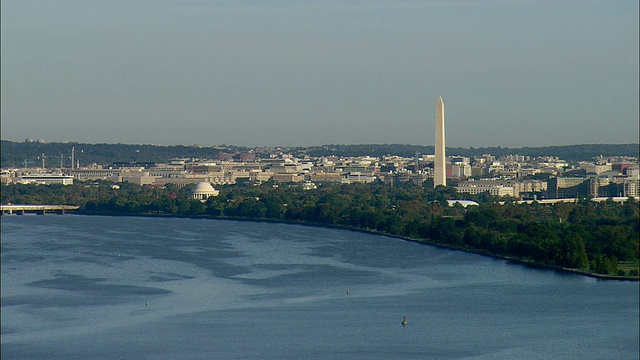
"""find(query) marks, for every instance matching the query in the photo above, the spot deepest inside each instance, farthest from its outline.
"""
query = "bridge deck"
(21, 209)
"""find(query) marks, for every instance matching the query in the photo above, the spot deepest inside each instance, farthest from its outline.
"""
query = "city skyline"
(286, 73)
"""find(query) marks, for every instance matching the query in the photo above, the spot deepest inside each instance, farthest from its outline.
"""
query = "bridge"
(38, 209)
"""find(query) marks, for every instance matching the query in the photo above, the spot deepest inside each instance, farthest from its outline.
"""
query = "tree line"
(584, 152)
(15, 154)
(586, 235)
(21, 154)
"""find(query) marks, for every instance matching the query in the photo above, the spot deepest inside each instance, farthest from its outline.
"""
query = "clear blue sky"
(511, 73)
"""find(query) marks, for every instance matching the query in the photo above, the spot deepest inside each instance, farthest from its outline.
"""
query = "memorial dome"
(203, 190)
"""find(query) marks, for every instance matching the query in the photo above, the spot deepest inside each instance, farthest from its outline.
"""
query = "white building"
(631, 187)
(203, 191)
(480, 186)
(97, 174)
(460, 170)
(464, 203)
(359, 177)
(46, 179)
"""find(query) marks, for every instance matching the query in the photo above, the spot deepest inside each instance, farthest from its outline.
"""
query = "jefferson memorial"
(203, 190)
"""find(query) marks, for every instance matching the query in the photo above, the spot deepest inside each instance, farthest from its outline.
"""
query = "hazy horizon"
(308, 146)
(290, 73)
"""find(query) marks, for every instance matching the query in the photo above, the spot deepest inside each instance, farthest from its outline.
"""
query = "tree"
(575, 252)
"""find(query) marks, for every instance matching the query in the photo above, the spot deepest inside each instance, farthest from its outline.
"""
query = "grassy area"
(628, 267)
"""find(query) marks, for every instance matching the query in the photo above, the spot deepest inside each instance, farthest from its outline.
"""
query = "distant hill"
(14, 154)
(567, 152)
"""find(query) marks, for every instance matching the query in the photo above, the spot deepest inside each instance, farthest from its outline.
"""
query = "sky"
(512, 73)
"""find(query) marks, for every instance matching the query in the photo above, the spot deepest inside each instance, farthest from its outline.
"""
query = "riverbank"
(244, 290)
(526, 262)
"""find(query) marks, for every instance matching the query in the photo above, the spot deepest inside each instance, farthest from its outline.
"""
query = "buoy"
(145, 303)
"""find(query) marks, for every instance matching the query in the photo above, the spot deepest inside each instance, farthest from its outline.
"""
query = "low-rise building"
(495, 188)
(325, 176)
(96, 173)
(359, 177)
(631, 187)
(46, 179)
(403, 177)
(288, 178)
(257, 176)
(569, 187)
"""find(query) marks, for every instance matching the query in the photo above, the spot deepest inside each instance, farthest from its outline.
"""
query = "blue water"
(77, 287)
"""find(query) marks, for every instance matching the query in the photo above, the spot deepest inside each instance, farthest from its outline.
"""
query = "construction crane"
(44, 157)
(26, 163)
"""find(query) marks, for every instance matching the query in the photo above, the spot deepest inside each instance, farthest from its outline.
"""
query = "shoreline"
(524, 262)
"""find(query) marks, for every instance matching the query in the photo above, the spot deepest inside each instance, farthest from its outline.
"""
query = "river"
(90, 287)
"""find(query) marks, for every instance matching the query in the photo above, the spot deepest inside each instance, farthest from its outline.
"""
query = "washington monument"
(440, 165)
